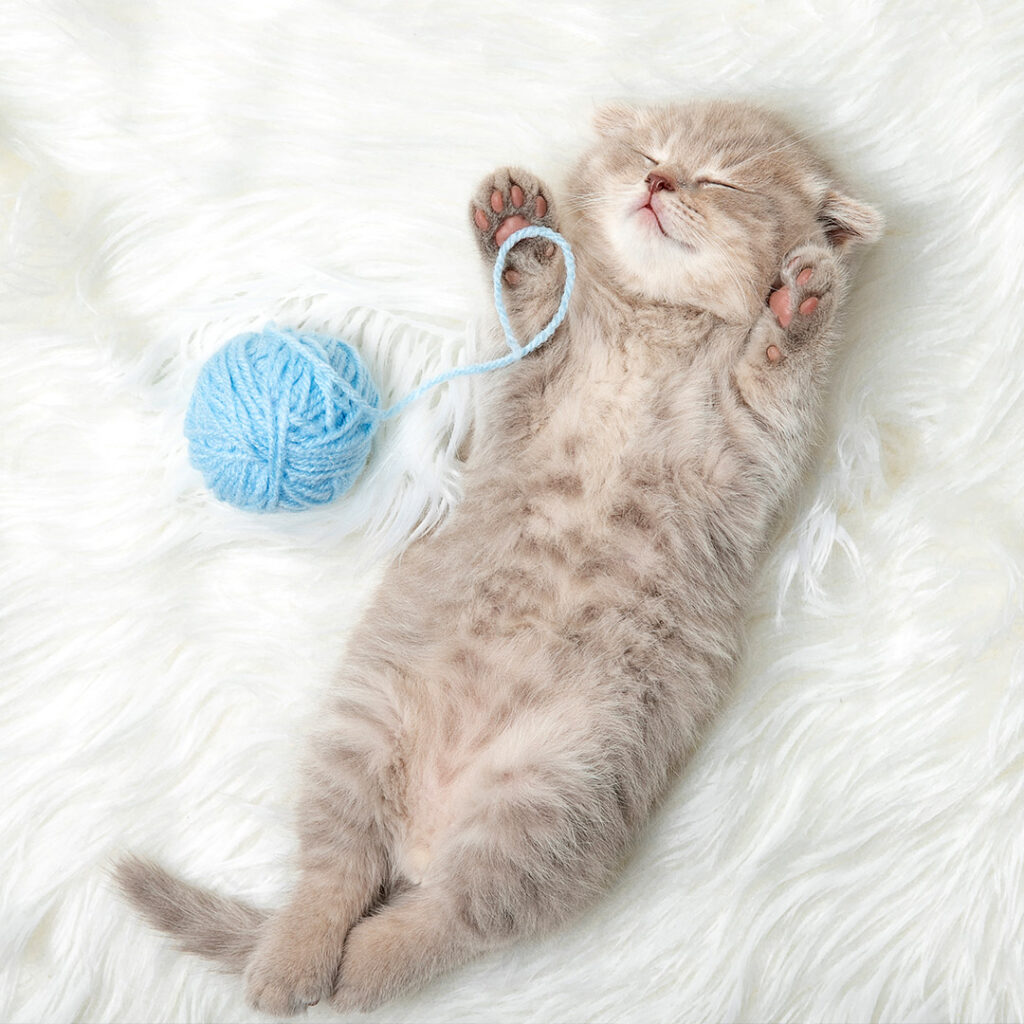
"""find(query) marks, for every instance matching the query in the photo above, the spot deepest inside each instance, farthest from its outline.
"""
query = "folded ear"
(614, 118)
(847, 220)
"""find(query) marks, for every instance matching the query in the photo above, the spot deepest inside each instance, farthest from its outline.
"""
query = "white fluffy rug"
(849, 844)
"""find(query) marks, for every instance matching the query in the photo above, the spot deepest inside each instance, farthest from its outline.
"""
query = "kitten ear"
(614, 118)
(847, 220)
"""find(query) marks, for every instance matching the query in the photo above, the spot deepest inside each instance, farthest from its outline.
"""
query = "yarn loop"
(285, 420)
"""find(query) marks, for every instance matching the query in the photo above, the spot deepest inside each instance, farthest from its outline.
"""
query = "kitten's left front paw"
(804, 303)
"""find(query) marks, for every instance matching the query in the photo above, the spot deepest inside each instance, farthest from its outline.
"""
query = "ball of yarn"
(281, 420)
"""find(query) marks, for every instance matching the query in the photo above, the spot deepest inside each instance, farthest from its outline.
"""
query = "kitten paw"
(279, 982)
(507, 201)
(804, 302)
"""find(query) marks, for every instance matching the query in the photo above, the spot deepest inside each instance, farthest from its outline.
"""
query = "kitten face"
(698, 204)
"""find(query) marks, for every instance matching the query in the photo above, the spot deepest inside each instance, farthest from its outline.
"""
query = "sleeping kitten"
(530, 677)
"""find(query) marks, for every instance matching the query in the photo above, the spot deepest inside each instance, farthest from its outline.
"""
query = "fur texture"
(852, 818)
(532, 675)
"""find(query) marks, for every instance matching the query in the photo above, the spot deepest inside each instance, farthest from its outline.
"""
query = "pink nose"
(660, 182)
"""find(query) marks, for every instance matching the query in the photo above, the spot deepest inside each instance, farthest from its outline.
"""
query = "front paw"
(507, 201)
(804, 303)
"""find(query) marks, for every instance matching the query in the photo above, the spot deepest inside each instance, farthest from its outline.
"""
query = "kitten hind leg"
(411, 939)
(343, 867)
(295, 964)
(516, 867)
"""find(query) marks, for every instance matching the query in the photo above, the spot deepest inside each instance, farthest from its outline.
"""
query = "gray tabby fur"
(531, 676)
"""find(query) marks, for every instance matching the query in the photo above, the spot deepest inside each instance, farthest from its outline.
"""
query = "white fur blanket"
(849, 844)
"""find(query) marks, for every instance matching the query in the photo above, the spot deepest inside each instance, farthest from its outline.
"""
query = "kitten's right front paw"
(507, 201)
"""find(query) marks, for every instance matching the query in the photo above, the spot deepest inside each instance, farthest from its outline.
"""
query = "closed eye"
(650, 159)
(720, 184)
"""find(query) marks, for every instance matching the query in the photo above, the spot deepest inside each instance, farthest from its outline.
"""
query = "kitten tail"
(215, 927)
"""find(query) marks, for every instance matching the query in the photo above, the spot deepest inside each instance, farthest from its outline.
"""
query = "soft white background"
(849, 844)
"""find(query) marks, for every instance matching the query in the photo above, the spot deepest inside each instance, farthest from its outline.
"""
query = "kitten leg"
(506, 201)
(408, 941)
(516, 866)
(787, 350)
(343, 865)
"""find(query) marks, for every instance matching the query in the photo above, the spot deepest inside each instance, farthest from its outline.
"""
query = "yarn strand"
(283, 420)
(516, 351)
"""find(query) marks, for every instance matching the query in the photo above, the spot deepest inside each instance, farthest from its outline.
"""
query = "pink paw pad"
(781, 304)
(508, 227)
(778, 301)
(504, 207)
(516, 221)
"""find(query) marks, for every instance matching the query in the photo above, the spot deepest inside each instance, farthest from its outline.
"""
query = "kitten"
(530, 677)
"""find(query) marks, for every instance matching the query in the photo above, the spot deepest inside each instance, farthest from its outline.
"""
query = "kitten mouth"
(649, 213)
(654, 213)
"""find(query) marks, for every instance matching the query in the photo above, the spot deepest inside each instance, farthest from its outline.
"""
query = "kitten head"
(698, 204)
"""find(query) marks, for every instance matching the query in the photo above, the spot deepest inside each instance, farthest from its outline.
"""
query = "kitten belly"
(565, 645)
(506, 726)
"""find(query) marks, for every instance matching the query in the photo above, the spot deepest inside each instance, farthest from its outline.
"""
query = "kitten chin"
(530, 677)
(656, 267)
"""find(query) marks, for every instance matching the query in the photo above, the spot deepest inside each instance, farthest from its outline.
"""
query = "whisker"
(585, 203)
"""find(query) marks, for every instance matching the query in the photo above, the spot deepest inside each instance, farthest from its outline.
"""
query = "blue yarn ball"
(282, 420)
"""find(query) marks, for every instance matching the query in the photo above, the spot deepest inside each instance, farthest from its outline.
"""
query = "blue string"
(516, 351)
(283, 420)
